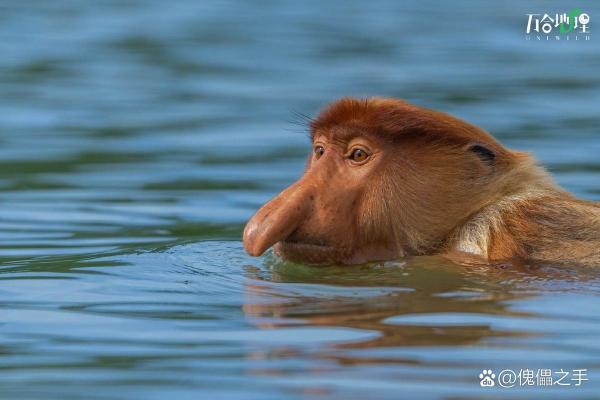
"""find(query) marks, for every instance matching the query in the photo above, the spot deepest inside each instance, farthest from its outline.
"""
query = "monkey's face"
(318, 219)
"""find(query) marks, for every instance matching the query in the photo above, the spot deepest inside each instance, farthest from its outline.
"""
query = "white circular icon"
(584, 19)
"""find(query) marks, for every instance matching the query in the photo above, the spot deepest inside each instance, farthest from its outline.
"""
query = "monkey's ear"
(485, 154)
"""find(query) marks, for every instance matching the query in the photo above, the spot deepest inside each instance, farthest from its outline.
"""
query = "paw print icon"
(486, 378)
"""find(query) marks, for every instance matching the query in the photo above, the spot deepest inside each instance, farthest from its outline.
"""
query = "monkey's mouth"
(308, 246)
(319, 253)
(309, 252)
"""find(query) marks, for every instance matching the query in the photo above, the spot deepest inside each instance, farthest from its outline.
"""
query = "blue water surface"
(136, 138)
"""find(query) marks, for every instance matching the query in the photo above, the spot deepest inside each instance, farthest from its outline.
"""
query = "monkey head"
(384, 179)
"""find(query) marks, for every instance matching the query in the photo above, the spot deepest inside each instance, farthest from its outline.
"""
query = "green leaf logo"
(572, 16)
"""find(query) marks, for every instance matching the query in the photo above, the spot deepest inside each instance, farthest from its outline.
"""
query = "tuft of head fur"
(395, 119)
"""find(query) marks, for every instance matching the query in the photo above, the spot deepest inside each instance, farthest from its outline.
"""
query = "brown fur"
(424, 192)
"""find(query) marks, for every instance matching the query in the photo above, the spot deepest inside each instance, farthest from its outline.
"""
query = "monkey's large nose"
(277, 219)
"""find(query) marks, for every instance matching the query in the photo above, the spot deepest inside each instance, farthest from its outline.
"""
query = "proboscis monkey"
(387, 179)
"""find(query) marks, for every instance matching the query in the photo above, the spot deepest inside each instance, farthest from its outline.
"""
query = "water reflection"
(368, 297)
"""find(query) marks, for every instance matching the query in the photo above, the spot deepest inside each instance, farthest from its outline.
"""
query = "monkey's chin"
(315, 254)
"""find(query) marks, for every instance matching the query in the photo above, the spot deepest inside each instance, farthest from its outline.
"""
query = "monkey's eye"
(319, 150)
(359, 155)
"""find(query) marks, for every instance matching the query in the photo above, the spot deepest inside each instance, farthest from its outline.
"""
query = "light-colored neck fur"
(536, 219)
(474, 236)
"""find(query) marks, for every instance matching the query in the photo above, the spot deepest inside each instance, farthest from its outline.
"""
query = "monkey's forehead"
(392, 119)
